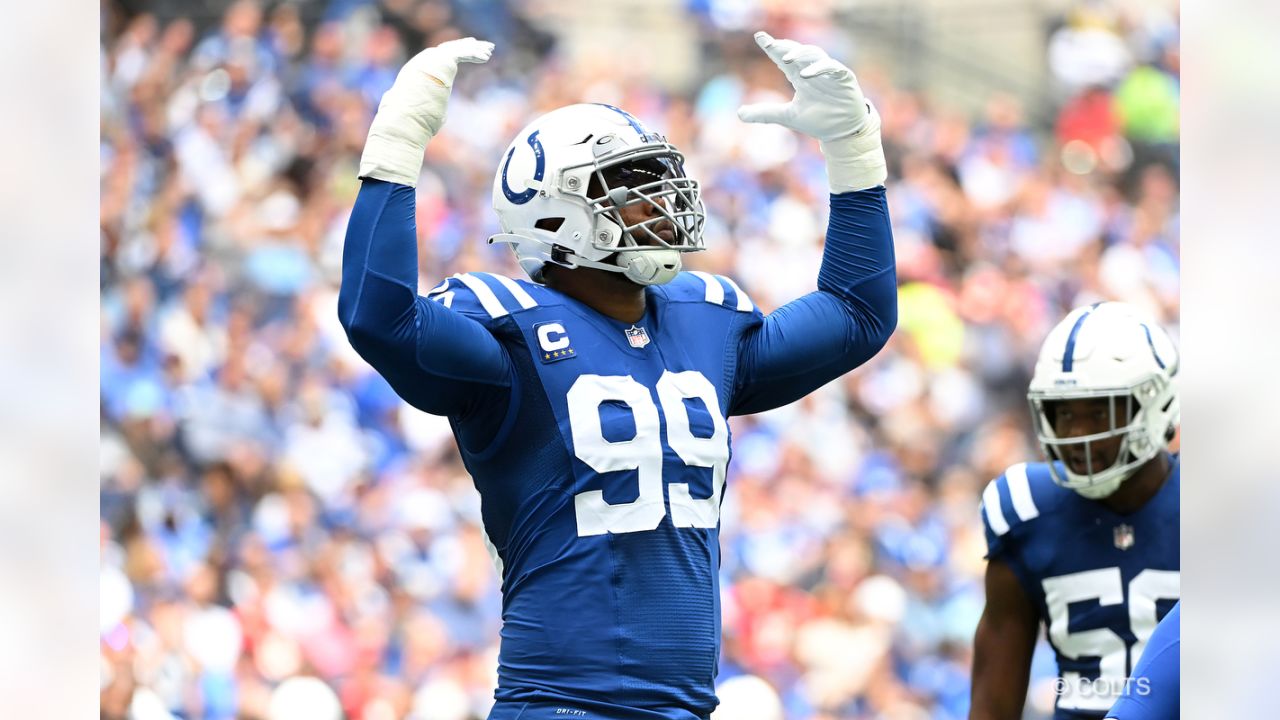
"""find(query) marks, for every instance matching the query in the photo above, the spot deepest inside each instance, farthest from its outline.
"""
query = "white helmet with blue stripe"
(563, 179)
(1110, 351)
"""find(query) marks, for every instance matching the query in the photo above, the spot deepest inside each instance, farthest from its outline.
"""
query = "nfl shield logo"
(1123, 536)
(637, 336)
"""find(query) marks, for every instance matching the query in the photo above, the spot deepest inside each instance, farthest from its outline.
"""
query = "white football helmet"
(1107, 350)
(563, 180)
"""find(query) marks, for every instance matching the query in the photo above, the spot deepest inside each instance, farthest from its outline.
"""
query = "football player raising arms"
(589, 401)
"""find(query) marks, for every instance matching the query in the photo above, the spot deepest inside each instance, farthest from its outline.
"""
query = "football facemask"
(650, 186)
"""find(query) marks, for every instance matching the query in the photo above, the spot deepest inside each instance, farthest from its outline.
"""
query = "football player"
(1086, 543)
(590, 402)
(1154, 691)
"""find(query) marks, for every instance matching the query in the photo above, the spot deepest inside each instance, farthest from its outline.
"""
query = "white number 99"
(643, 452)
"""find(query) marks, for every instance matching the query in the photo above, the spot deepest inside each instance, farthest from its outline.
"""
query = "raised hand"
(413, 110)
(828, 103)
(440, 63)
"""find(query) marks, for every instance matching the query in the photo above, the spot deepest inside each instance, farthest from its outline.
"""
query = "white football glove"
(829, 106)
(412, 111)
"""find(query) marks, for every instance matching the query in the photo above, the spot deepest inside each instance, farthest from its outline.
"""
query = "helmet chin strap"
(642, 267)
(1097, 491)
(1097, 485)
(650, 267)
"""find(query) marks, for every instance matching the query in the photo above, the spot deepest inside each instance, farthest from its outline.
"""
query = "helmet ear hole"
(550, 224)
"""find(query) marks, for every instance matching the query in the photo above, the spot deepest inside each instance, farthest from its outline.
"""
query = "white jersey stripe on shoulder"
(524, 298)
(444, 285)
(488, 300)
(715, 291)
(744, 302)
(991, 508)
(1020, 492)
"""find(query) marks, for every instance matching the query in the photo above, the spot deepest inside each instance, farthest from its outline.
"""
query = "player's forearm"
(379, 264)
(815, 339)
(858, 267)
(994, 694)
(985, 707)
(1002, 649)
(437, 360)
(381, 250)
(988, 704)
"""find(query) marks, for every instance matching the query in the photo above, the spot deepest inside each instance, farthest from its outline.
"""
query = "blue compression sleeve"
(1153, 693)
(438, 360)
(825, 334)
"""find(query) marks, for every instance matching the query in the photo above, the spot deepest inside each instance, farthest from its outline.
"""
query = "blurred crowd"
(281, 536)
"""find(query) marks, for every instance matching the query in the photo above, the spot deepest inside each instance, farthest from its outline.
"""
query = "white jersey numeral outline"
(643, 452)
(1115, 660)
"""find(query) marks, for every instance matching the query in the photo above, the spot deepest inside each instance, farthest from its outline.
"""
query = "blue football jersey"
(601, 496)
(1101, 580)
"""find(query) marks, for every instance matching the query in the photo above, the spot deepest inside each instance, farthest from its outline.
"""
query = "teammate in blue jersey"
(590, 403)
(1086, 543)
(1154, 691)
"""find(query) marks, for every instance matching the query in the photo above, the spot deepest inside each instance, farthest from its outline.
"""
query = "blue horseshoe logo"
(539, 169)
